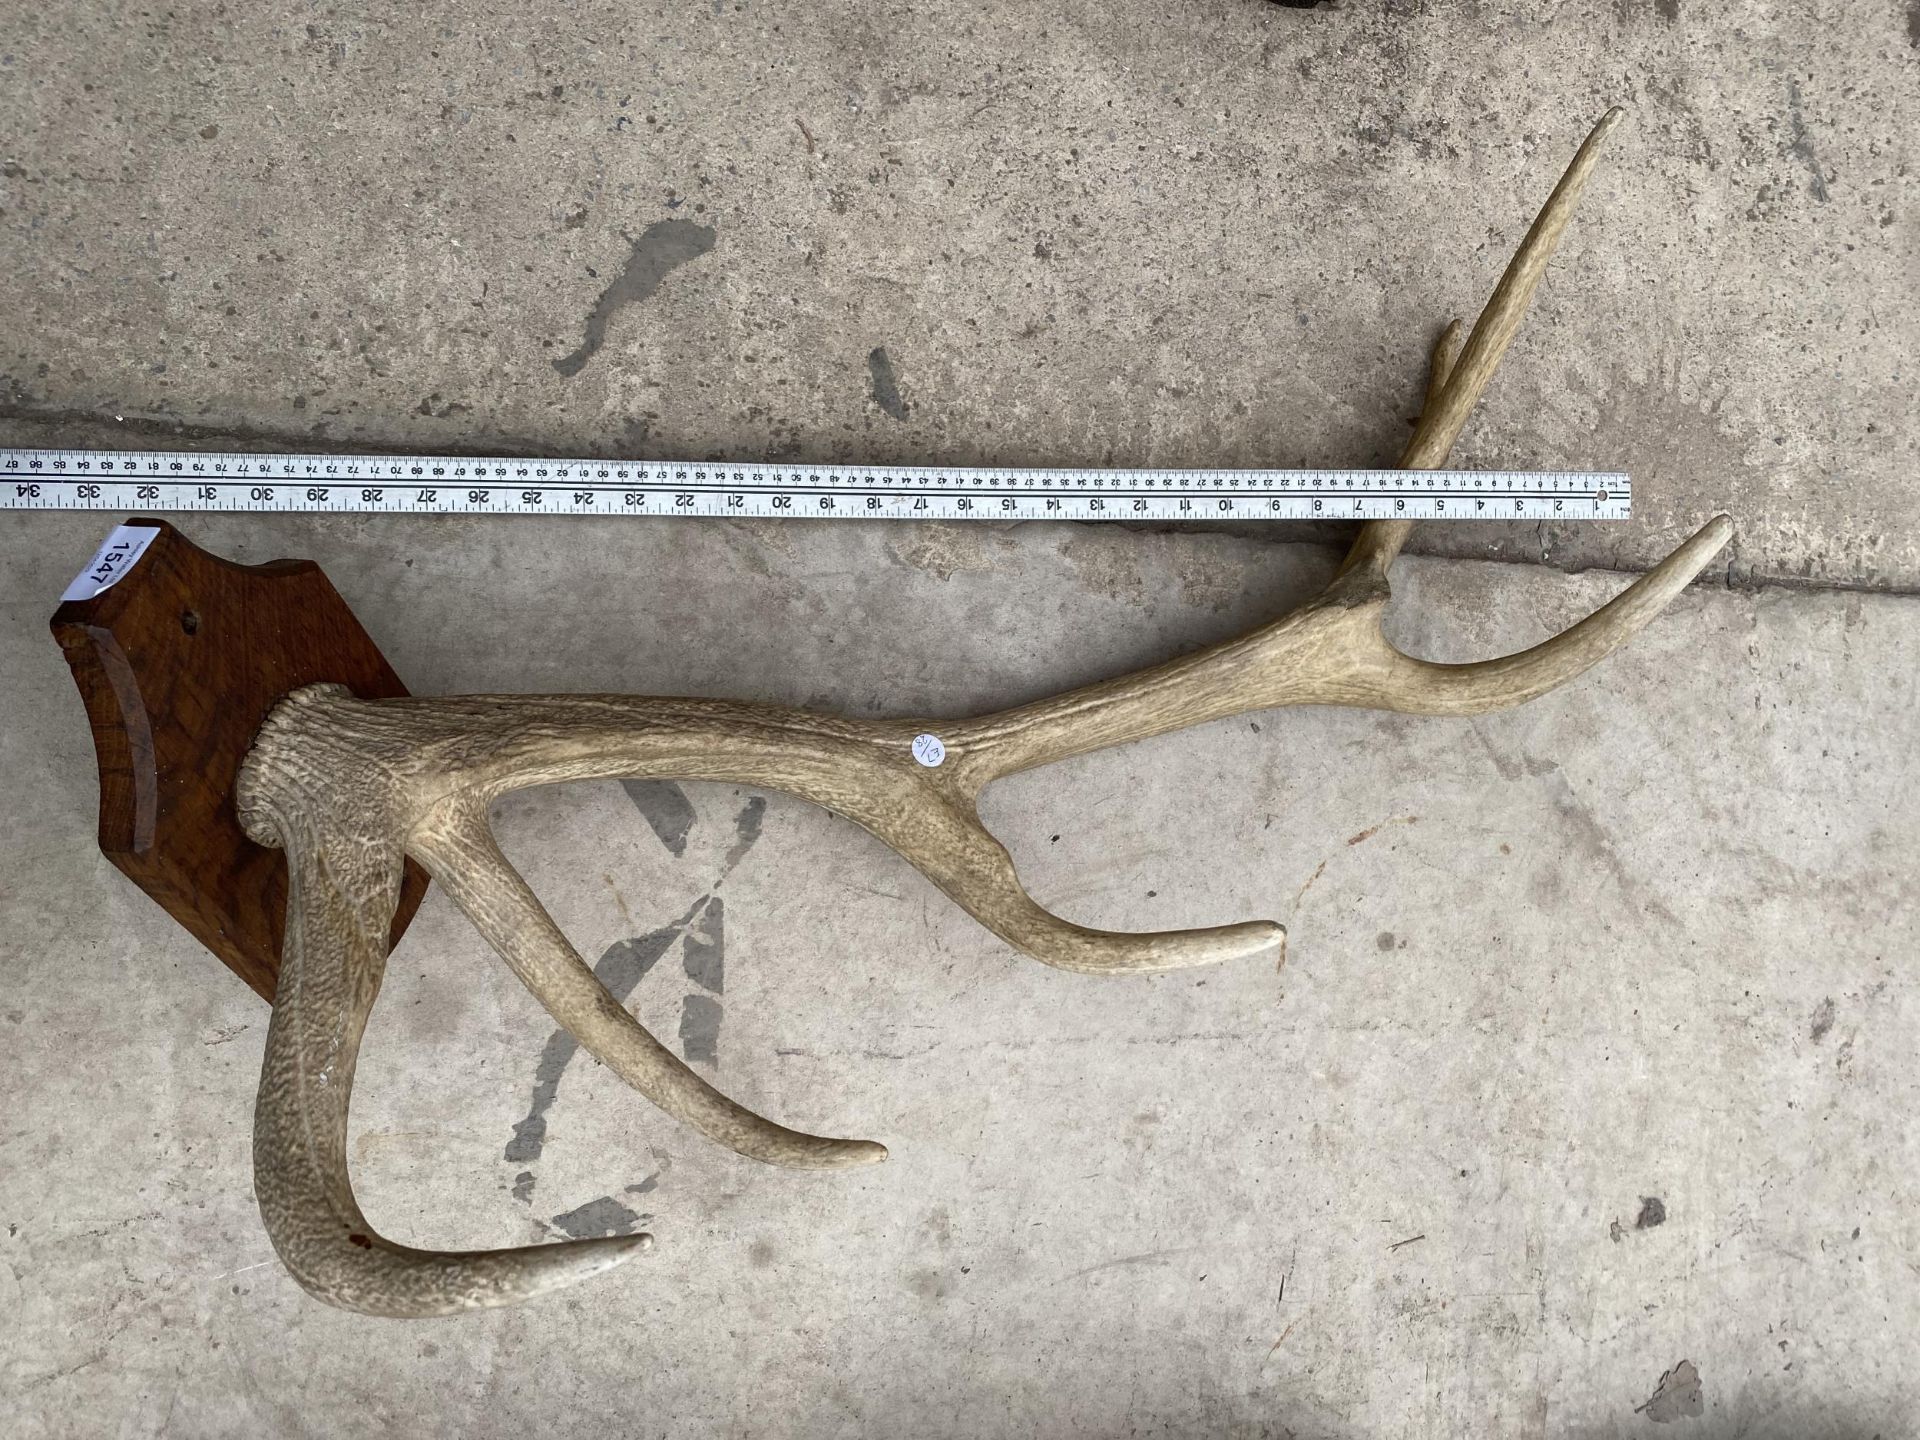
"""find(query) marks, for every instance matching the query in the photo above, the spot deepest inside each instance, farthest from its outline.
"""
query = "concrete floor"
(1587, 1088)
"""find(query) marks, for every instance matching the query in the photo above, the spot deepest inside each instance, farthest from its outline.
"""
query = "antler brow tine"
(349, 788)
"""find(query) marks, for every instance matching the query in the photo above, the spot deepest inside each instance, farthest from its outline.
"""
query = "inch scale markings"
(434, 485)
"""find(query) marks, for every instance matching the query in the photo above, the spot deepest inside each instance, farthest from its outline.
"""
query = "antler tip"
(577, 1259)
(1604, 126)
(553, 1267)
(1263, 937)
(535, 1270)
(1699, 548)
(814, 1152)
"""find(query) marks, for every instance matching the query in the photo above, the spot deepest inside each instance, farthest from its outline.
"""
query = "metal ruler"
(439, 484)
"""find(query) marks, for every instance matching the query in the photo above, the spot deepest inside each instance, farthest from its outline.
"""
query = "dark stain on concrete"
(651, 1183)
(662, 248)
(1653, 1211)
(1678, 1396)
(704, 952)
(665, 807)
(886, 389)
(1802, 145)
(1913, 23)
(1669, 10)
(437, 407)
(599, 1218)
(1822, 1020)
(746, 834)
(1384, 940)
(1592, 837)
(1511, 767)
(619, 969)
(1547, 887)
(930, 1285)
(700, 1029)
(702, 935)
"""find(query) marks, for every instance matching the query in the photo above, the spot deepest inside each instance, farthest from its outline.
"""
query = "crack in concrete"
(1802, 145)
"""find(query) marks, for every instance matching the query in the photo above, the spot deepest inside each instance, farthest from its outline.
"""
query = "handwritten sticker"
(929, 750)
(115, 557)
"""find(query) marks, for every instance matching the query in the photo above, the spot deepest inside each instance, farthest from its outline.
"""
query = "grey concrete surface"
(1584, 1101)
(1595, 1051)
(1211, 234)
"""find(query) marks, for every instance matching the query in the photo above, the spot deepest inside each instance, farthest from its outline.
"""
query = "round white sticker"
(928, 750)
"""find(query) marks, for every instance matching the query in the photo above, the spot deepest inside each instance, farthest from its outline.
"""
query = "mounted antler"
(352, 789)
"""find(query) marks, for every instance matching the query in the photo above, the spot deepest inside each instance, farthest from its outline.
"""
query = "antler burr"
(350, 788)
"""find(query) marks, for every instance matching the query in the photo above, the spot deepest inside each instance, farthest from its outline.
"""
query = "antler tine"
(950, 846)
(1460, 377)
(458, 850)
(343, 884)
(1493, 332)
(1422, 687)
(1379, 543)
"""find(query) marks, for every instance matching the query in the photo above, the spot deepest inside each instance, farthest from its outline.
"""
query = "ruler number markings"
(67, 479)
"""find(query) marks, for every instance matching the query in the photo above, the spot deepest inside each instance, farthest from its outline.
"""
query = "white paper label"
(115, 557)
(929, 750)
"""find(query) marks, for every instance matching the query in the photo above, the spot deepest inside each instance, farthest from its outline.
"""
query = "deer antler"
(350, 787)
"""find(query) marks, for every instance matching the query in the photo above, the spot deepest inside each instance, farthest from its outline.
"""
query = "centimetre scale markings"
(420, 484)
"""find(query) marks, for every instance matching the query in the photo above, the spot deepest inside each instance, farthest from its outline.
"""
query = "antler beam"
(350, 788)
